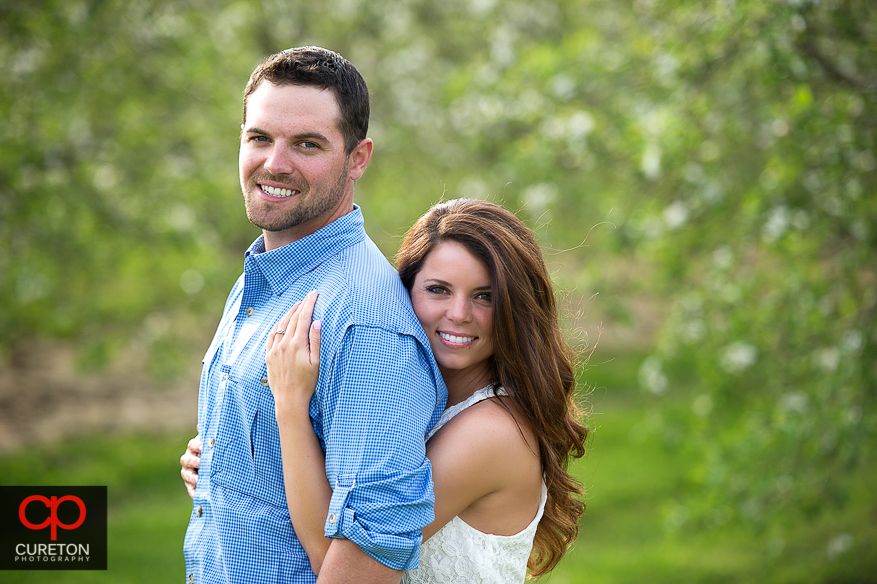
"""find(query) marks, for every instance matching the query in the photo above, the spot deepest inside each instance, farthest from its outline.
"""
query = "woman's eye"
(436, 289)
(484, 296)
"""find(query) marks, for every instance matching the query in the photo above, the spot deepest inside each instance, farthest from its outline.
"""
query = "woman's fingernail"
(318, 325)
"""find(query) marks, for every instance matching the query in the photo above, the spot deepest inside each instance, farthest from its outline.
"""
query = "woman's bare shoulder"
(495, 425)
(487, 468)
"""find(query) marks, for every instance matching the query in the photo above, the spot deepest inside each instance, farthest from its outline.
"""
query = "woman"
(504, 501)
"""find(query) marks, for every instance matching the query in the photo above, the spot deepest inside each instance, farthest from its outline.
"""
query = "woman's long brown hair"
(531, 359)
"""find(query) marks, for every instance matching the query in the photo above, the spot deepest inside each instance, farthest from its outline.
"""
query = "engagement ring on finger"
(280, 331)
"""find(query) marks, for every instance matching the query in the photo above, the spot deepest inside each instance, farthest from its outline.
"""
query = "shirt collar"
(284, 265)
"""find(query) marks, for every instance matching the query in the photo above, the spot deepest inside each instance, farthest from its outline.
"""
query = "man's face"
(295, 174)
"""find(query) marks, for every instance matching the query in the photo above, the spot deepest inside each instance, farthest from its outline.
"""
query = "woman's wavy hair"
(531, 360)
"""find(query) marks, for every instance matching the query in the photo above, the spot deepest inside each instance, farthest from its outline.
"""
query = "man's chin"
(264, 220)
(274, 227)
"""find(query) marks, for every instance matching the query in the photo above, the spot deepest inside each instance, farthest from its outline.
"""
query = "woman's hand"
(293, 356)
(190, 461)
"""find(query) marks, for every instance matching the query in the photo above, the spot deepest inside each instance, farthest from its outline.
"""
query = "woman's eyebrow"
(448, 284)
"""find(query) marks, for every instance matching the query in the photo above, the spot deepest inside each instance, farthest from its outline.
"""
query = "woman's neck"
(462, 383)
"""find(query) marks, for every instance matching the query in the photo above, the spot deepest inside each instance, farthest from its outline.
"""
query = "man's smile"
(278, 192)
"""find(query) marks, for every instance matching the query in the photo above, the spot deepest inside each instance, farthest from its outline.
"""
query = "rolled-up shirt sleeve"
(380, 399)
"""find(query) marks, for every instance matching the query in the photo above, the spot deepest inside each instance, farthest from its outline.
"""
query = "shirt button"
(191, 578)
(250, 311)
(212, 442)
(199, 511)
(332, 518)
(265, 381)
(224, 376)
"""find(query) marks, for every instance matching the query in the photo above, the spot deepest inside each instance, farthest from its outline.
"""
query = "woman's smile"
(456, 340)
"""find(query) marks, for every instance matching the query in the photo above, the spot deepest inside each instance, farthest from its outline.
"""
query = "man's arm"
(346, 563)
(380, 399)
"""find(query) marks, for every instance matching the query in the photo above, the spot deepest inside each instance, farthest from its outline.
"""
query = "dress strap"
(482, 394)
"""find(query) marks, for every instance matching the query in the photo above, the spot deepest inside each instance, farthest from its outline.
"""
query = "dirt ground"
(44, 399)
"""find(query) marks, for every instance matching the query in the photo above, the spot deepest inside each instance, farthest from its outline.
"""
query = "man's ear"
(360, 158)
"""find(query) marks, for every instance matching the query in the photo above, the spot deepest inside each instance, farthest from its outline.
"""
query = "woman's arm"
(293, 359)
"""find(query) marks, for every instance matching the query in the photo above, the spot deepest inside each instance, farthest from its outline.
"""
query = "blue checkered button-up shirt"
(378, 394)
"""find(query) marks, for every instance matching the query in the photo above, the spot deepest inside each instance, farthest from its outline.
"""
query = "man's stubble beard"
(309, 207)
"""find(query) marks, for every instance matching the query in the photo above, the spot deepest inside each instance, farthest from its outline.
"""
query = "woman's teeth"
(456, 340)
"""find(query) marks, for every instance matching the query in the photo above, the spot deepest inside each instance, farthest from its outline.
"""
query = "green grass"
(635, 480)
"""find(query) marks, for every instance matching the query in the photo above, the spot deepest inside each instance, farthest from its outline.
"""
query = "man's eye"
(309, 145)
(258, 138)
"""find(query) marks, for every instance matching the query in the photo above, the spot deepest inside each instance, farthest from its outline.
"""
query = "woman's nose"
(459, 310)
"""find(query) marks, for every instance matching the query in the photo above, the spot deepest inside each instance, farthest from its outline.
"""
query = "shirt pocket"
(252, 460)
(233, 459)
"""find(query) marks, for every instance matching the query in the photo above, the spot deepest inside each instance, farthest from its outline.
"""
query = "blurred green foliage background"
(700, 174)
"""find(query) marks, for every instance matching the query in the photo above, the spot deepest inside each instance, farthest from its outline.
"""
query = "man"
(303, 146)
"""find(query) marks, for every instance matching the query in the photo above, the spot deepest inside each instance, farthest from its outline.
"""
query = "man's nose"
(279, 160)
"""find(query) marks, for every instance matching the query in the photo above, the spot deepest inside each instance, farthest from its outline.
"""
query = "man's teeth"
(456, 340)
(275, 192)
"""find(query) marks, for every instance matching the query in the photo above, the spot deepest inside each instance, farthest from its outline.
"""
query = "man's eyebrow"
(255, 130)
(311, 136)
(303, 136)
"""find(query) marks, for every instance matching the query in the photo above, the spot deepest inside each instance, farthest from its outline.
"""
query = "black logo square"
(53, 528)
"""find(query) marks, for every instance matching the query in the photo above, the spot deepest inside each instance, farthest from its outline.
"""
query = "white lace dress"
(460, 553)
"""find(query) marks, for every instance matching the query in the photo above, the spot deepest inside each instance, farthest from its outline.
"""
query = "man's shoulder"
(375, 295)
(365, 256)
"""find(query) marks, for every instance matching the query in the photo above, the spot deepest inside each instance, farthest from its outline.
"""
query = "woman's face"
(452, 299)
